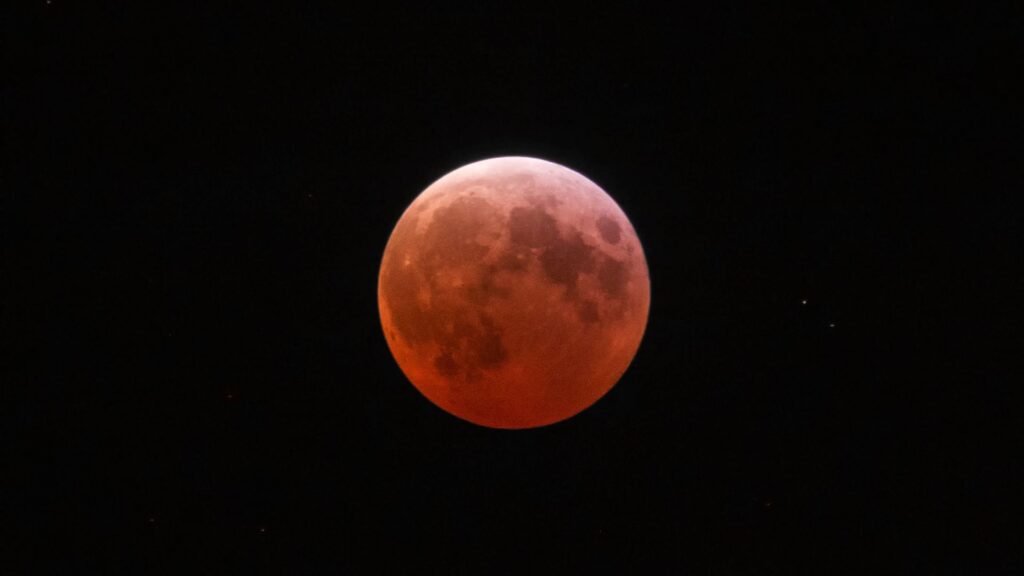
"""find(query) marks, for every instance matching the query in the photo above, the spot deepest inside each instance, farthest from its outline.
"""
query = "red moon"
(513, 292)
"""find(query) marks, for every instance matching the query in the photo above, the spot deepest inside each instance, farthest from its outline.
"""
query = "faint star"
(803, 302)
(831, 324)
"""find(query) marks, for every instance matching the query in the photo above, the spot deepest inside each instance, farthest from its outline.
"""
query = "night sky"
(196, 201)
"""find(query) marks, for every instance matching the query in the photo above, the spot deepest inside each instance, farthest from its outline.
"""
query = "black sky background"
(196, 201)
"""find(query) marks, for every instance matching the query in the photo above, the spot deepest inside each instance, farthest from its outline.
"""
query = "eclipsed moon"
(513, 292)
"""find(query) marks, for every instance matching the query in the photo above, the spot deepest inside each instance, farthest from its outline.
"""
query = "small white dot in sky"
(804, 302)
(831, 324)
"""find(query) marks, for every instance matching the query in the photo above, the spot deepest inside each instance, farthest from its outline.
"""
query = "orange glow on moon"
(513, 292)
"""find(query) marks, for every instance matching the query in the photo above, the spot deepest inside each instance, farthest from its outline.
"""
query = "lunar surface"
(513, 292)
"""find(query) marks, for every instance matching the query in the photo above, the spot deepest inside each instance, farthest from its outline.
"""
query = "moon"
(513, 292)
